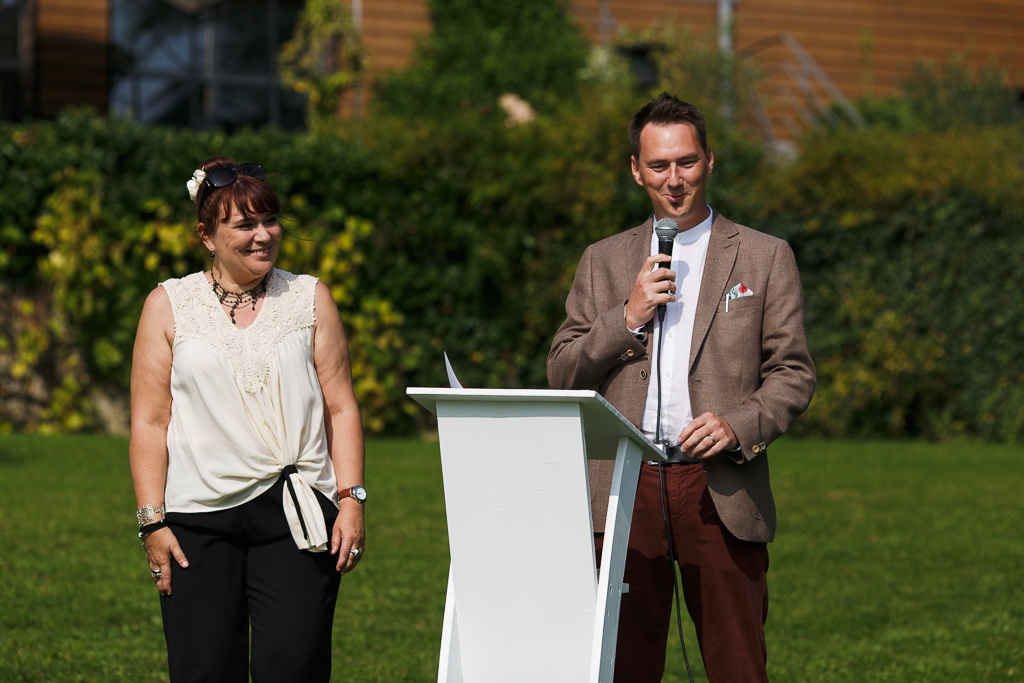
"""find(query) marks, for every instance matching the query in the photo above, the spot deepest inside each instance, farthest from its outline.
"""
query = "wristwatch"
(357, 492)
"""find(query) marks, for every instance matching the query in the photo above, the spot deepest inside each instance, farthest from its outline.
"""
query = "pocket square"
(737, 292)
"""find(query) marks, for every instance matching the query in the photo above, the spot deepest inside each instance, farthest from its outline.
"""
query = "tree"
(482, 49)
(323, 59)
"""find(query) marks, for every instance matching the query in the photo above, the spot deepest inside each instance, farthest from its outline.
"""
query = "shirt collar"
(693, 234)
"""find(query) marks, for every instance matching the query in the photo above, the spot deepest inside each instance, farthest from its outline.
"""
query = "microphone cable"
(664, 511)
(675, 583)
(661, 338)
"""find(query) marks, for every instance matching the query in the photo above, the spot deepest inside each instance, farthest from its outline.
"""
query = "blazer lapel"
(639, 248)
(722, 248)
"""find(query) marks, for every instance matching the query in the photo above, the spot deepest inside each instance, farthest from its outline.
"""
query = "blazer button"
(643, 374)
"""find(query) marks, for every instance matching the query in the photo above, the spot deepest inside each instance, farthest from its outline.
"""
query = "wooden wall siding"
(832, 32)
(637, 15)
(391, 29)
(900, 33)
(71, 53)
(87, 19)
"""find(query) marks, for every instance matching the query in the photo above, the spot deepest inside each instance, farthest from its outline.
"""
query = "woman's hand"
(161, 546)
(348, 535)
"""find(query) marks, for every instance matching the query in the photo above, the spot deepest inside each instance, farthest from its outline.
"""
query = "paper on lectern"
(452, 379)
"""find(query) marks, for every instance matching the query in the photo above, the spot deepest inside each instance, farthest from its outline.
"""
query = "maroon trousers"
(724, 583)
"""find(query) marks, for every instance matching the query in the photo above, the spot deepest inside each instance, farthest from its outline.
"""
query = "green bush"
(939, 97)
(96, 215)
(481, 49)
(909, 248)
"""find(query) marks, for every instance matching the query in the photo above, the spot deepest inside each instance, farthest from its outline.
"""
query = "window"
(202, 63)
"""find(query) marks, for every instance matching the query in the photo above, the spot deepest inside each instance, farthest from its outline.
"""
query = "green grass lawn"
(893, 562)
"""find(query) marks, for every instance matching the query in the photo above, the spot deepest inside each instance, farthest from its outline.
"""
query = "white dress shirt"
(689, 254)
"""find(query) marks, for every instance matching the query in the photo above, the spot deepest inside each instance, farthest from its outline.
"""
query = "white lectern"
(524, 599)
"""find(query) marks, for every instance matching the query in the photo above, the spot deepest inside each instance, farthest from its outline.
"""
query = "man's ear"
(635, 166)
(711, 159)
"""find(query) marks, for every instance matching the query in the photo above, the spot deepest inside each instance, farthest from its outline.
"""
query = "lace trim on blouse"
(287, 307)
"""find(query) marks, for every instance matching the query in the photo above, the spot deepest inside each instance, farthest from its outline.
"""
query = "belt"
(675, 455)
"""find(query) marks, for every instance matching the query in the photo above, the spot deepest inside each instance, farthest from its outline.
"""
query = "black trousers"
(245, 571)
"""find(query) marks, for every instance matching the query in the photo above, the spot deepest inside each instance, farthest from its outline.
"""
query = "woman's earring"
(212, 254)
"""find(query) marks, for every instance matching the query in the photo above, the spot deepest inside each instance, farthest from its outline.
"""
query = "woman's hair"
(251, 196)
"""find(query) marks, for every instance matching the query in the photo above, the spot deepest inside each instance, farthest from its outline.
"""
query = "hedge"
(910, 250)
(462, 235)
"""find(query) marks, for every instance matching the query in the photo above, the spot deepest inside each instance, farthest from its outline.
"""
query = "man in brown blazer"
(735, 373)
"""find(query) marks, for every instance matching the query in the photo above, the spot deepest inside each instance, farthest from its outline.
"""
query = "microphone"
(666, 229)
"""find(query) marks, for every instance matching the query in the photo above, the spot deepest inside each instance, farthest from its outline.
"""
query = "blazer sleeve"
(594, 338)
(787, 371)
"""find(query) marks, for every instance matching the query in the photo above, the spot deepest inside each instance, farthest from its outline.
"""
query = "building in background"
(817, 56)
(202, 63)
(208, 63)
(53, 53)
(198, 63)
(12, 63)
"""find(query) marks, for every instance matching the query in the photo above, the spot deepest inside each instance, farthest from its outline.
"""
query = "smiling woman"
(239, 227)
(246, 449)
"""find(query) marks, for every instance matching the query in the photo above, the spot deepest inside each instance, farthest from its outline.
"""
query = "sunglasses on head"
(223, 177)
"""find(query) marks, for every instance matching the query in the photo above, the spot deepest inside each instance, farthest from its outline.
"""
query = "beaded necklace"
(235, 299)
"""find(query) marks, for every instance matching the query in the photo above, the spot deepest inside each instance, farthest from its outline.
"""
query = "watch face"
(359, 493)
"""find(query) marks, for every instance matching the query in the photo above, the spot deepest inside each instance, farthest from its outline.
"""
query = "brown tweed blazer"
(750, 366)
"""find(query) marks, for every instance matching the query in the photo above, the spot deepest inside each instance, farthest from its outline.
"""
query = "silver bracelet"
(147, 514)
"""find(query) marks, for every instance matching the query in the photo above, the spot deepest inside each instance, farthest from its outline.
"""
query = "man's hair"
(667, 109)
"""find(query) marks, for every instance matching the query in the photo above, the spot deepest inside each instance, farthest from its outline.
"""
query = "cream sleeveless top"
(245, 403)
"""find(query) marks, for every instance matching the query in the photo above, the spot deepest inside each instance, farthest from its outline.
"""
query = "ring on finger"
(156, 574)
(712, 437)
(355, 552)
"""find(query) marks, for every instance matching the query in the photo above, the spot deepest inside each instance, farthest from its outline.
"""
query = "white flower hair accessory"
(193, 185)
